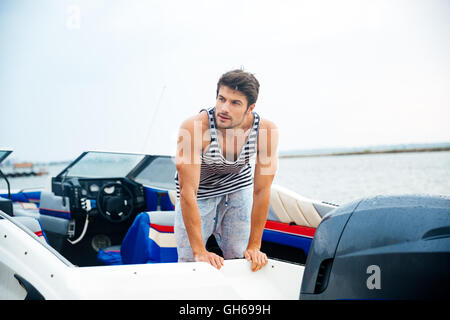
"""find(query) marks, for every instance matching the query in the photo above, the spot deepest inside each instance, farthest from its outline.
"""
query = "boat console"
(99, 195)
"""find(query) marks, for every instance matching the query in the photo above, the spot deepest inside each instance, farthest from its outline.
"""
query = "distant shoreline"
(352, 153)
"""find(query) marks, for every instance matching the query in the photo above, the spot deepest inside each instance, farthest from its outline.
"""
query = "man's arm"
(265, 169)
(188, 164)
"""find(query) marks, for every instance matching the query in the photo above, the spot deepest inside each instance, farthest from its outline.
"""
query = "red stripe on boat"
(54, 210)
(39, 233)
(270, 225)
(161, 228)
(292, 229)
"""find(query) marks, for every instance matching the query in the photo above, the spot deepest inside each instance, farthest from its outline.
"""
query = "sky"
(118, 75)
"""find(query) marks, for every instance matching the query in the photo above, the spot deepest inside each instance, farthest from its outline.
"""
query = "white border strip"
(163, 239)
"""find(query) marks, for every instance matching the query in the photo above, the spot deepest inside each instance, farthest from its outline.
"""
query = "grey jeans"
(227, 217)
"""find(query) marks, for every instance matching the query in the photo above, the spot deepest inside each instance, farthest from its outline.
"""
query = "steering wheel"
(117, 205)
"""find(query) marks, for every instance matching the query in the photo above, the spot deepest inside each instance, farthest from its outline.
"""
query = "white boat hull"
(24, 254)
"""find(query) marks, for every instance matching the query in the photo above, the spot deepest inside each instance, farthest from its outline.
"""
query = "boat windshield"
(159, 173)
(4, 154)
(103, 164)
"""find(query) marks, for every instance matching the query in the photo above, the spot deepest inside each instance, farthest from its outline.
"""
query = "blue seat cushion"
(150, 239)
(110, 255)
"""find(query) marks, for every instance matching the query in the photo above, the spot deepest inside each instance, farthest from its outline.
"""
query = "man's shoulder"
(266, 124)
(267, 134)
(196, 120)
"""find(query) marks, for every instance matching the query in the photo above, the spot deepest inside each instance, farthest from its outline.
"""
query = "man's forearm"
(260, 209)
(193, 224)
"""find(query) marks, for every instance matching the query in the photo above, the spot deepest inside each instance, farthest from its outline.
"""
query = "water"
(40, 182)
(338, 179)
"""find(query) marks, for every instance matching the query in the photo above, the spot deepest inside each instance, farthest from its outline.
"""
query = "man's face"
(231, 108)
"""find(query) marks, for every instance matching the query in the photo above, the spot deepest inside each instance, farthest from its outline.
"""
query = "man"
(217, 192)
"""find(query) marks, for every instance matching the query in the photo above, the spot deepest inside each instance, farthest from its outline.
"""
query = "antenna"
(154, 117)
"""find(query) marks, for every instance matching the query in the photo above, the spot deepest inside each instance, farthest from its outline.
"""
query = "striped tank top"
(219, 176)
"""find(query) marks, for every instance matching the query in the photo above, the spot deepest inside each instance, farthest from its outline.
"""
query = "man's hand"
(210, 257)
(258, 258)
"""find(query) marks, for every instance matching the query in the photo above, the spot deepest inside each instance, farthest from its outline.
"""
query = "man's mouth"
(223, 118)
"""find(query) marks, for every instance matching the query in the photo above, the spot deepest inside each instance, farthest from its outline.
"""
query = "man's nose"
(225, 106)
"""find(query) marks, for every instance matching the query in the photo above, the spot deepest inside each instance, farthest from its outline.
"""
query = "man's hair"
(241, 81)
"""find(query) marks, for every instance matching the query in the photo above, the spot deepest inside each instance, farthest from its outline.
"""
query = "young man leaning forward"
(218, 190)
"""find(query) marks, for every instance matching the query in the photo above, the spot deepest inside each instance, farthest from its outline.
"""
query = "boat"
(105, 231)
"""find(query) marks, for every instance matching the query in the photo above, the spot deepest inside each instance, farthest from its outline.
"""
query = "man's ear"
(250, 108)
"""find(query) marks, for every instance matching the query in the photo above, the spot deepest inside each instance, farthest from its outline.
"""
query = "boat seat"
(150, 239)
(25, 209)
(292, 219)
(54, 213)
(173, 196)
(33, 225)
(289, 207)
(110, 255)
